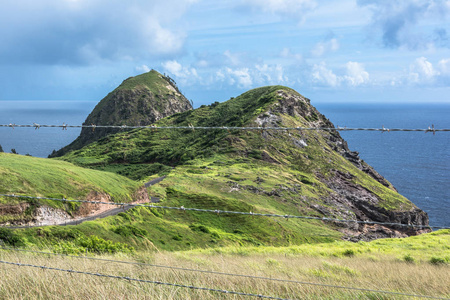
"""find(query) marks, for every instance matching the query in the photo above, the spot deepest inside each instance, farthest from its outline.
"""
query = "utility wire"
(218, 212)
(154, 127)
(219, 273)
(192, 287)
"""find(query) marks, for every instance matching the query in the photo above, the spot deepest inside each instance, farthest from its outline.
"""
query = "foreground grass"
(380, 271)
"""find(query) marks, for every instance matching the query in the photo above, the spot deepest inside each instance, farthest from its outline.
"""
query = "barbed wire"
(154, 127)
(220, 290)
(221, 273)
(218, 212)
(192, 287)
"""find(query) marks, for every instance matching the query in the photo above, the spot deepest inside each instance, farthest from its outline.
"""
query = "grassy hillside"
(312, 166)
(52, 178)
(28, 175)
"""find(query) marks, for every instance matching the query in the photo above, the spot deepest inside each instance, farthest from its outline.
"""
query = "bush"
(98, 245)
(129, 230)
(9, 237)
(408, 258)
(437, 260)
(198, 227)
(349, 252)
(177, 237)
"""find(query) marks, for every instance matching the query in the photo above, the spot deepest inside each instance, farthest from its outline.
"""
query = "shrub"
(198, 227)
(177, 237)
(98, 245)
(408, 258)
(9, 237)
(349, 252)
(437, 260)
(129, 230)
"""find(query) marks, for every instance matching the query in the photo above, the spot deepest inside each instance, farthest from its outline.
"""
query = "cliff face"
(304, 172)
(348, 199)
(140, 100)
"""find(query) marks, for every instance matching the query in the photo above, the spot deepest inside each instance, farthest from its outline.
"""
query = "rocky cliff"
(140, 100)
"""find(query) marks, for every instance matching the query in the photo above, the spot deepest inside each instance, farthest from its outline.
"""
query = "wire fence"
(204, 271)
(218, 212)
(192, 287)
(224, 212)
(154, 127)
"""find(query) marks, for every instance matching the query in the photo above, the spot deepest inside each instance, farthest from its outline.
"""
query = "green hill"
(302, 172)
(139, 100)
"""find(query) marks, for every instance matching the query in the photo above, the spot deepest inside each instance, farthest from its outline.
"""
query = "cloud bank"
(397, 22)
(77, 32)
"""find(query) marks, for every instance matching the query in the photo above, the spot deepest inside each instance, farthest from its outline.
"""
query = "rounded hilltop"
(139, 100)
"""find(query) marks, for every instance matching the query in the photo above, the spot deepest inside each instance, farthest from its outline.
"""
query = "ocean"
(416, 163)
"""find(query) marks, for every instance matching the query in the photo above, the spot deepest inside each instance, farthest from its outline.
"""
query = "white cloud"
(353, 74)
(356, 75)
(269, 74)
(162, 40)
(444, 66)
(422, 71)
(185, 74)
(240, 76)
(322, 75)
(143, 68)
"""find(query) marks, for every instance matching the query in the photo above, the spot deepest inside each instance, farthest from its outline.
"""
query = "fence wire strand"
(192, 287)
(223, 212)
(154, 127)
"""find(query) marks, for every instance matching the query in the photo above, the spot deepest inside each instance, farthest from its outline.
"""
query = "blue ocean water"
(416, 163)
(41, 142)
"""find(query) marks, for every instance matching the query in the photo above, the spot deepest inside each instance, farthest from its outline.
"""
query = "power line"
(218, 212)
(218, 273)
(154, 127)
(192, 287)
(218, 290)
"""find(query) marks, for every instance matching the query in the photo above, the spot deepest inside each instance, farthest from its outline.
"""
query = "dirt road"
(103, 213)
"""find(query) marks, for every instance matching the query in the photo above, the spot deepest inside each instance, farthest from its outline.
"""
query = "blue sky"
(330, 51)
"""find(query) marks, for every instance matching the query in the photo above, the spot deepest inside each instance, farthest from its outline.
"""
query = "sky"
(329, 51)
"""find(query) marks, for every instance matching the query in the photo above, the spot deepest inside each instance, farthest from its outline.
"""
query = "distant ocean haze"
(416, 163)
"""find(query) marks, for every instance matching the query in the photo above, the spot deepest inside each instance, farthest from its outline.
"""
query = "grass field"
(382, 265)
